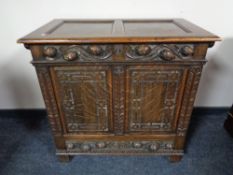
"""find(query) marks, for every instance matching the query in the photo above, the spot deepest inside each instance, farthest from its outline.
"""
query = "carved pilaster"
(49, 99)
(192, 82)
(118, 99)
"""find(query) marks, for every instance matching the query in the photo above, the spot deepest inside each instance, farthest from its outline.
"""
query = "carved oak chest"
(119, 86)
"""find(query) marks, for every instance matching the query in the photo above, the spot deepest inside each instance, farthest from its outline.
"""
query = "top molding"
(62, 31)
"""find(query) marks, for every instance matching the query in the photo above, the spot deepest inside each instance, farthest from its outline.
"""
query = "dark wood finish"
(64, 158)
(118, 31)
(175, 158)
(119, 87)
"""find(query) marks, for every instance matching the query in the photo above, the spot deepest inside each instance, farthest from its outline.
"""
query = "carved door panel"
(153, 97)
(84, 98)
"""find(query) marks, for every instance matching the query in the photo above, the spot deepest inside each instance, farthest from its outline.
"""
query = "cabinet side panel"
(49, 98)
(192, 82)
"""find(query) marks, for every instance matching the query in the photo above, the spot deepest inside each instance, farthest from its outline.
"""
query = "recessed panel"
(153, 98)
(82, 29)
(84, 97)
(118, 31)
(154, 28)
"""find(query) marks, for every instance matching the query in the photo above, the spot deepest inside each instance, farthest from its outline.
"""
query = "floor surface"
(27, 148)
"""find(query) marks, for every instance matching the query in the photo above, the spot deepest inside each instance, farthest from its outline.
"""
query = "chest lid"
(118, 31)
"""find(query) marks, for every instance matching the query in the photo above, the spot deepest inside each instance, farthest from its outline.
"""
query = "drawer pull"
(70, 56)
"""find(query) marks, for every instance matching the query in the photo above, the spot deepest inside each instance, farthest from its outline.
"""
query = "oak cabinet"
(119, 86)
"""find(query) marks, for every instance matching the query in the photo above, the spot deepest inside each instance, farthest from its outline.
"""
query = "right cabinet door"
(153, 97)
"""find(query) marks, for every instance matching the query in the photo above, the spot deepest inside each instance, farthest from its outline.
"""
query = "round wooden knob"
(137, 145)
(95, 50)
(186, 51)
(154, 147)
(50, 52)
(167, 55)
(101, 145)
(143, 50)
(70, 56)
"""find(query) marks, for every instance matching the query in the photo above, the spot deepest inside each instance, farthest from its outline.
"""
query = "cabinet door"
(153, 97)
(84, 98)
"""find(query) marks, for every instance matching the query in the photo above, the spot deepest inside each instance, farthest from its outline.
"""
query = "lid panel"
(118, 31)
(82, 29)
(154, 28)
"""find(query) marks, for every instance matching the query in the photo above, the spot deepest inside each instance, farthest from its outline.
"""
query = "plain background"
(18, 82)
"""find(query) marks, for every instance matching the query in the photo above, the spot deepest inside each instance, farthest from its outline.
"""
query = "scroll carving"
(165, 52)
(89, 52)
(130, 52)
(49, 98)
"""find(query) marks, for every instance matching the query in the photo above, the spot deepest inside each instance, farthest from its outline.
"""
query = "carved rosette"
(192, 82)
(49, 98)
(119, 147)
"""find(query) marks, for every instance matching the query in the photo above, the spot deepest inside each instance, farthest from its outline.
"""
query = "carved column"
(118, 84)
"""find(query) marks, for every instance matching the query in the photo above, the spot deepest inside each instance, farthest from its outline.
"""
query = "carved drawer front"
(153, 97)
(84, 97)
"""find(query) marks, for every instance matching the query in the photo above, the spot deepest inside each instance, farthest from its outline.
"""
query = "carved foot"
(175, 159)
(64, 158)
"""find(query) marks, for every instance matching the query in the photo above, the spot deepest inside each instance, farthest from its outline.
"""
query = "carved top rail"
(119, 52)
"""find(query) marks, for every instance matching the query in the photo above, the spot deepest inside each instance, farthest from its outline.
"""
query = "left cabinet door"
(84, 96)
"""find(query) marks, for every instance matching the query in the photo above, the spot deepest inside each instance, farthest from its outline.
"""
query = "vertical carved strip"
(49, 98)
(193, 79)
(118, 99)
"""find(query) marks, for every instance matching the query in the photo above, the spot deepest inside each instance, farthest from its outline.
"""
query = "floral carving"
(120, 147)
